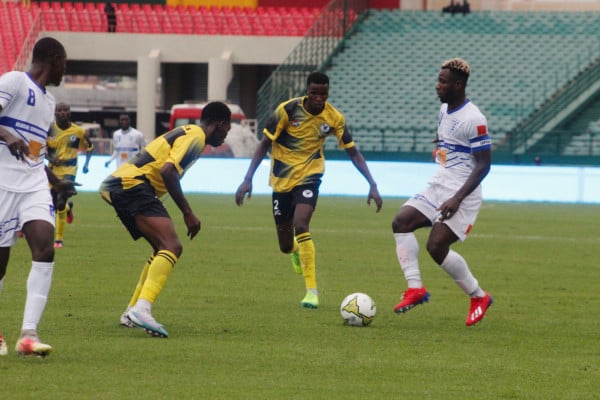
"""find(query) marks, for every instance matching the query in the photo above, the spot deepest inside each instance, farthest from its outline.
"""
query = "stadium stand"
(385, 75)
(383, 63)
(17, 20)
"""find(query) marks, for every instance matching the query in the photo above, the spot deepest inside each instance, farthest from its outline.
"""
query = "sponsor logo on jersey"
(481, 130)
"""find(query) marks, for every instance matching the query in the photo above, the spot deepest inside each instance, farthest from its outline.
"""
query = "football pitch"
(237, 331)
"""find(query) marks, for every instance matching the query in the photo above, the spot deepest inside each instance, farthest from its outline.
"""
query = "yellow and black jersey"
(181, 147)
(63, 148)
(298, 137)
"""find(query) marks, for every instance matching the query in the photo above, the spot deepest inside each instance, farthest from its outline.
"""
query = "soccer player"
(127, 142)
(296, 133)
(452, 199)
(64, 143)
(26, 114)
(134, 190)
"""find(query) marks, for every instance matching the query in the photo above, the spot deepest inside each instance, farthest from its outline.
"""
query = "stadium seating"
(384, 79)
(16, 21)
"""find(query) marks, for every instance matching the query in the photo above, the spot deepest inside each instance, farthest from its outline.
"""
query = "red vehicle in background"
(241, 140)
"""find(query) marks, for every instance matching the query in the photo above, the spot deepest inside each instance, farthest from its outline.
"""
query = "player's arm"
(483, 162)
(114, 153)
(62, 186)
(361, 165)
(171, 178)
(88, 153)
(246, 185)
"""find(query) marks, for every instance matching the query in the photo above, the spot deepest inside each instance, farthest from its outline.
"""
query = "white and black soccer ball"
(358, 309)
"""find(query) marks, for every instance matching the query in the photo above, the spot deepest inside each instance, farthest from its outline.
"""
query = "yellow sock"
(140, 284)
(306, 248)
(158, 272)
(61, 220)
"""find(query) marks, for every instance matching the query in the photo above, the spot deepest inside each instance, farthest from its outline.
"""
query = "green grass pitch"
(237, 331)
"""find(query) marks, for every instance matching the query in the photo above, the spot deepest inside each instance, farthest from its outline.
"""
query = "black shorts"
(141, 200)
(284, 203)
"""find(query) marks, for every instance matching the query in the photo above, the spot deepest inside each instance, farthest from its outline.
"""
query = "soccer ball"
(358, 309)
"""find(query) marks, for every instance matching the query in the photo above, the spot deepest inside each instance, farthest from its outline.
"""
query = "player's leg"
(8, 237)
(283, 213)
(59, 203)
(306, 250)
(70, 215)
(160, 232)
(124, 321)
(442, 236)
(38, 227)
(4, 256)
(64, 214)
(305, 201)
(414, 214)
(288, 244)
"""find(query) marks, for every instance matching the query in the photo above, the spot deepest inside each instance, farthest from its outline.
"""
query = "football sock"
(306, 248)
(140, 284)
(158, 272)
(38, 287)
(295, 246)
(456, 266)
(61, 220)
(407, 251)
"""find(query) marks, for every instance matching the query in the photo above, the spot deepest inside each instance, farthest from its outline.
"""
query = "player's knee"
(43, 253)
(286, 248)
(437, 251)
(399, 225)
(174, 247)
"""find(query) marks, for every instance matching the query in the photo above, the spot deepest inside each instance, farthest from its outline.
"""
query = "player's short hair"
(458, 67)
(317, 77)
(215, 111)
(46, 48)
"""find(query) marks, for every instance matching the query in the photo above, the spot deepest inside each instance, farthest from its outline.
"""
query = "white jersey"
(27, 113)
(127, 143)
(461, 133)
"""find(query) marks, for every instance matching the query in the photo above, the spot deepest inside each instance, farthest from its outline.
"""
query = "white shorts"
(433, 196)
(18, 208)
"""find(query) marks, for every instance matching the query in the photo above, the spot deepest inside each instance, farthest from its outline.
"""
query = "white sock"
(457, 268)
(1, 284)
(38, 287)
(143, 305)
(407, 250)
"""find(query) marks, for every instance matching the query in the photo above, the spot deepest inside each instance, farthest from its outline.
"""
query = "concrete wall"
(175, 48)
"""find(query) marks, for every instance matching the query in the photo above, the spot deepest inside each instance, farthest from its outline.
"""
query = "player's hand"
(244, 189)
(193, 224)
(448, 208)
(17, 147)
(374, 195)
(66, 188)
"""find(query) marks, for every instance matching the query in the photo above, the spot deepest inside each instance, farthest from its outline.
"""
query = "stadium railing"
(322, 40)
